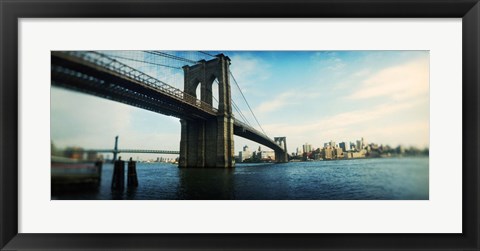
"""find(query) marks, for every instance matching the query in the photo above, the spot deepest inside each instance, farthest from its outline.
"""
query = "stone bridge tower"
(280, 156)
(208, 143)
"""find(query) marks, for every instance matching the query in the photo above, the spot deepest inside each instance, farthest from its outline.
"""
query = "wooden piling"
(99, 165)
(118, 179)
(132, 180)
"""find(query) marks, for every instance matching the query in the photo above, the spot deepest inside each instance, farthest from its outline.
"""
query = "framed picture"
(361, 132)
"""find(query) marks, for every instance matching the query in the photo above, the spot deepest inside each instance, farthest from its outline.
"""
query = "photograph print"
(239, 125)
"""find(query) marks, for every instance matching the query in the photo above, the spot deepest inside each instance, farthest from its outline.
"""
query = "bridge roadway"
(97, 74)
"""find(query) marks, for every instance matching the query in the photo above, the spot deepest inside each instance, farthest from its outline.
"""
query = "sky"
(307, 96)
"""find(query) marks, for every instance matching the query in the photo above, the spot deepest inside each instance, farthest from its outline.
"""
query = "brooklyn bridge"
(207, 124)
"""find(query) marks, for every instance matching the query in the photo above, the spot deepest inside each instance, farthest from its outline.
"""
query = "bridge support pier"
(208, 143)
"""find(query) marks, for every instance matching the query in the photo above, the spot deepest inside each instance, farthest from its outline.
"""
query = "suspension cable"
(234, 80)
(163, 54)
(235, 107)
(142, 61)
(241, 114)
(208, 54)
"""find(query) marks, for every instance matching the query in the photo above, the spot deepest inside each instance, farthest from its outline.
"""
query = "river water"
(359, 179)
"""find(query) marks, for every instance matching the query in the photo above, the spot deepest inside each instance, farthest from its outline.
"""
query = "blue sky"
(308, 96)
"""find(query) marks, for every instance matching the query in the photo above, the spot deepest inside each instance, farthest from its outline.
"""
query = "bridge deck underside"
(245, 132)
(98, 81)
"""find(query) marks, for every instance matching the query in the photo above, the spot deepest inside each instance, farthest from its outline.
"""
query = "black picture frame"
(11, 11)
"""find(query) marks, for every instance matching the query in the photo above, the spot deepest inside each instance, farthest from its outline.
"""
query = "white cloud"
(345, 125)
(291, 97)
(362, 73)
(249, 71)
(328, 60)
(276, 103)
(403, 82)
(401, 134)
(350, 118)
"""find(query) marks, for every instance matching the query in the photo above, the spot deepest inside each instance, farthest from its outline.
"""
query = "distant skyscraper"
(307, 148)
(267, 155)
(245, 154)
(328, 153)
(299, 151)
(338, 153)
(343, 146)
(331, 144)
(353, 146)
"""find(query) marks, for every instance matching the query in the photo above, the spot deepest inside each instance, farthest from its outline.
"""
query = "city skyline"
(304, 96)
